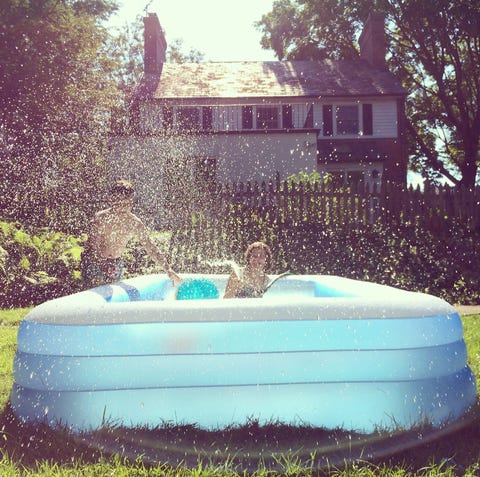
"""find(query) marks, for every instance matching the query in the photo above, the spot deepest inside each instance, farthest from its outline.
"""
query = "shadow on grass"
(250, 447)
(29, 444)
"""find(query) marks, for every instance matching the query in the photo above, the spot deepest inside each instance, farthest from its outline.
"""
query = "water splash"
(219, 263)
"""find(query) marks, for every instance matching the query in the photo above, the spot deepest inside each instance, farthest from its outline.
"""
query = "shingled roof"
(249, 79)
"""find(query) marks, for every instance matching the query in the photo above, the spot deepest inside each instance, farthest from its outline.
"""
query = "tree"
(126, 46)
(176, 53)
(55, 97)
(65, 80)
(434, 47)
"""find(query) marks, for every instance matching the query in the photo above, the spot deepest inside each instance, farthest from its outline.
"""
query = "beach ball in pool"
(197, 289)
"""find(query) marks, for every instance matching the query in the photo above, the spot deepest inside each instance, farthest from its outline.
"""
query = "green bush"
(36, 265)
(406, 256)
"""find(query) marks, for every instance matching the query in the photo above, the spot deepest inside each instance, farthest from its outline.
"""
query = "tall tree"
(55, 97)
(125, 45)
(434, 47)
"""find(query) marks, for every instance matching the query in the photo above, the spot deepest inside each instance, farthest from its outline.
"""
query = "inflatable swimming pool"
(316, 350)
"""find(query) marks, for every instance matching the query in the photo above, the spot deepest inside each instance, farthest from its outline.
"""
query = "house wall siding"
(238, 157)
(385, 122)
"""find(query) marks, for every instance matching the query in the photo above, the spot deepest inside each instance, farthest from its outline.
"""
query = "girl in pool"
(251, 280)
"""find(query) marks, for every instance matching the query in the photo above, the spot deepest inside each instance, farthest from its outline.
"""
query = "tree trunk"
(469, 166)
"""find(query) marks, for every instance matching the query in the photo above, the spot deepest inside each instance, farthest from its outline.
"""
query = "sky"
(220, 29)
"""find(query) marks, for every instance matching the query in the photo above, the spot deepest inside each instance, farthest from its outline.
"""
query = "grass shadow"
(29, 444)
(273, 446)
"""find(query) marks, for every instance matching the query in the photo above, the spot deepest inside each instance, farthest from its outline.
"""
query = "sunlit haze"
(222, 30)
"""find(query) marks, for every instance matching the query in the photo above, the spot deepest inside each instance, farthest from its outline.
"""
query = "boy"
(110, 231)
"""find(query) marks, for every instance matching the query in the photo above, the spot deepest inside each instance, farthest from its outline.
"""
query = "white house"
(246, 121)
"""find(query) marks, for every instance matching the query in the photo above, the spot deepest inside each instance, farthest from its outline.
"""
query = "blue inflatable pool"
(315, 350)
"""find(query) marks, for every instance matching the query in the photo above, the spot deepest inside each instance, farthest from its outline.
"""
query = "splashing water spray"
(231, 263)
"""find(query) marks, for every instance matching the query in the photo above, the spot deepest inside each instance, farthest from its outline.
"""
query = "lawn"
(25, 451)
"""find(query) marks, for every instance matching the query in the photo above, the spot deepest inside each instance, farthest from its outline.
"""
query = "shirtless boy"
(110, 231)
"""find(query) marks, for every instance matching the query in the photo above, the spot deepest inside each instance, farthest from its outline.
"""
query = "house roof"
(275, 79)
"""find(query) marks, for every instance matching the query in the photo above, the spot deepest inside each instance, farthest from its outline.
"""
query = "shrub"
(407, 256)
(36, 265)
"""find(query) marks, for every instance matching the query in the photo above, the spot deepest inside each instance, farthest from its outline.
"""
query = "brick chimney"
(154, 47)
(372, 41)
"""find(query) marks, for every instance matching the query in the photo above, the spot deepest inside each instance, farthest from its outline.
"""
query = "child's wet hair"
(265, 247)
(122, 187)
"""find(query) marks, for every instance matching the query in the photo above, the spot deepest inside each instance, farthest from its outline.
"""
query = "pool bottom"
(358, 406)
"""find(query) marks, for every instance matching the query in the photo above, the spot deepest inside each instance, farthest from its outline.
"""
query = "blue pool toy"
(197, 289)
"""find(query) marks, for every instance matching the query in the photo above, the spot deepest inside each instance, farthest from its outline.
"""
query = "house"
(246, 121)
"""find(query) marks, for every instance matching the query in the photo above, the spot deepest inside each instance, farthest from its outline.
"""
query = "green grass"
(8, 340)
(13, 316)
(42, 452)
(471, 334)
(9, 321)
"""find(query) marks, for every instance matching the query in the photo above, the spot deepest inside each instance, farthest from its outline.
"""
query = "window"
(267, 117)
(188, 118)
(367, 119)
(347, 178)
(327, 124)
(355, 179)
(347, 119)
(309, 118)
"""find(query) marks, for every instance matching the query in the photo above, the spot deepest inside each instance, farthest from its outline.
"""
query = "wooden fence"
(301, 216)
(433, 207)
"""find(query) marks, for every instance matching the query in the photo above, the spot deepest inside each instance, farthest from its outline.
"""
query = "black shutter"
(367, 120)
(287, 122)
(247, 117)
(327, 124)
(207, 118)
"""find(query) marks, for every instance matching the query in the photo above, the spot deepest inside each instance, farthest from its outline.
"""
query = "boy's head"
(121, 195)
(122, 188)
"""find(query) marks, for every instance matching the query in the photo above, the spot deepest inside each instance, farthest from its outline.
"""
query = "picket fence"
(298, 214)
(434, 207)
